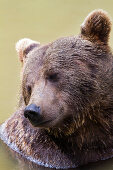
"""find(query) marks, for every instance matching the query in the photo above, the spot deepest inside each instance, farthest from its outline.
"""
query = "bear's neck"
(93, 139)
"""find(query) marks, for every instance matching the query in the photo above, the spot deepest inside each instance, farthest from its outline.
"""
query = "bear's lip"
(40, 124)
(45, 123)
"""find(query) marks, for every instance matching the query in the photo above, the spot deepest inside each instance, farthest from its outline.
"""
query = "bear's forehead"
(68, 45)
(69, 42)
(63, 54)
(61, 49)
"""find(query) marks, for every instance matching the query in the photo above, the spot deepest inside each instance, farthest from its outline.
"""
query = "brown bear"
(65, 114)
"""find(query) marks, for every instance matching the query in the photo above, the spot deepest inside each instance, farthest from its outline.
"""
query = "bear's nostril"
(29, 114)
(32, 111)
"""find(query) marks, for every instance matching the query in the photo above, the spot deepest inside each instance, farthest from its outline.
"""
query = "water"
(44, 21)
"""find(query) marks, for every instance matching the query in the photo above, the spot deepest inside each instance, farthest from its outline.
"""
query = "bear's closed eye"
(29, 90)
(53, 77)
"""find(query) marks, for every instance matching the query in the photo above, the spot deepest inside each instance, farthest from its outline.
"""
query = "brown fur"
(97, 26)
(71, 80)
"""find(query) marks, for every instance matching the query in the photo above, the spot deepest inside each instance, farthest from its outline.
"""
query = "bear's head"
(67, 83)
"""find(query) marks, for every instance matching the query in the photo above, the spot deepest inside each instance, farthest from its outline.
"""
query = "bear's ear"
(97, 26)
(24, 46)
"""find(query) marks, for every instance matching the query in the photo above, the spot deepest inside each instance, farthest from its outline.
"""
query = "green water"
(44, 21)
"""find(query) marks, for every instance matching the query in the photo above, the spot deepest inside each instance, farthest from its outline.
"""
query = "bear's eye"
(29, 90)
(53, 77)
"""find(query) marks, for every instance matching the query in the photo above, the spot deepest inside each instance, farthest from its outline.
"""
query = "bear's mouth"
(41, 123)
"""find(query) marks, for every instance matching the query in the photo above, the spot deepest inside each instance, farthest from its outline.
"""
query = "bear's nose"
(32, 111)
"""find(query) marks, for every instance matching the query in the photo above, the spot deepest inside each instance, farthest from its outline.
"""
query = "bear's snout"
(32, 112)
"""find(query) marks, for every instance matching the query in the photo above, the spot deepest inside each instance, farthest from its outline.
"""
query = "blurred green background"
(41, 20)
